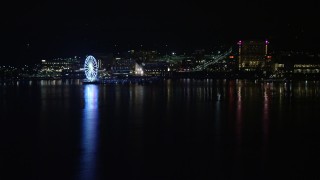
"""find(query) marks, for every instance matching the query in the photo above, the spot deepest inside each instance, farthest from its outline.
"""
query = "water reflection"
(239, 116)
(265, 112)
(238, 123)
(179, 131)
(89, 137)
(265, 118)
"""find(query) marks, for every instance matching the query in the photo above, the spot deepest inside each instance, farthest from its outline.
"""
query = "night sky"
(37, 30)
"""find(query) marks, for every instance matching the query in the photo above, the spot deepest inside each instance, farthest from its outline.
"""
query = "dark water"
(178, 129)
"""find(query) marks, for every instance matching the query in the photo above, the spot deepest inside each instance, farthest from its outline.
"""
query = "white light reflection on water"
(89, 139)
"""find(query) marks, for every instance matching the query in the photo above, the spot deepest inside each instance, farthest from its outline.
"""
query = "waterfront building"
(298, 64)
(157, 68)
(253, 55)
(58, 66)
(123, 66)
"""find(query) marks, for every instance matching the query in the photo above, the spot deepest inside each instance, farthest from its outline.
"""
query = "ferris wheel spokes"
(91, 68)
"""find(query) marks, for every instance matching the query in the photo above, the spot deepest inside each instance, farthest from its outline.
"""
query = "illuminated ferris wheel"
(91, 68)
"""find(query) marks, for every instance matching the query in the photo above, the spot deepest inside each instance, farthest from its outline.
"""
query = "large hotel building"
(253, 55)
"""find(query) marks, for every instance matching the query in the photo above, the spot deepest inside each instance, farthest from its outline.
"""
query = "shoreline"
(152, 79)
